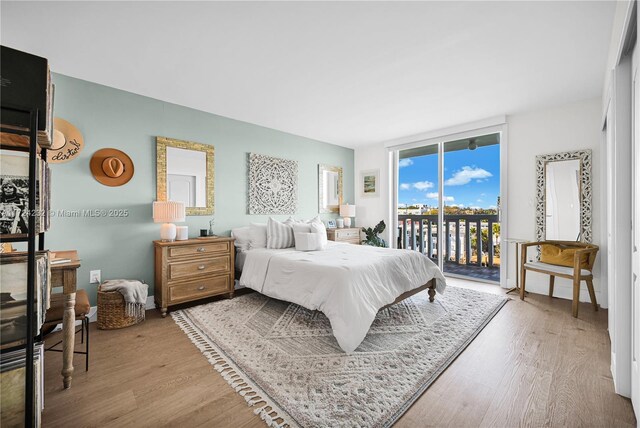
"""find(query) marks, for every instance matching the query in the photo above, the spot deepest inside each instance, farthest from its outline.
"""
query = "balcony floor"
(483, 273)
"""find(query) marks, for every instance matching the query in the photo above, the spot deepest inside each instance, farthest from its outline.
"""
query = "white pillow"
(318, 227)
(258, 235)
(280, 234)
(301, 227)
(310, 236)
(316, 218)
(243, 237)
(307, 241)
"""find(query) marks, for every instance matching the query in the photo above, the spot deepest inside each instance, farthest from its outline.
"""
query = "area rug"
(284, 360)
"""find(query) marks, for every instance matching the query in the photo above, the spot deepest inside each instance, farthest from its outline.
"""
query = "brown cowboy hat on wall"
(111, 167)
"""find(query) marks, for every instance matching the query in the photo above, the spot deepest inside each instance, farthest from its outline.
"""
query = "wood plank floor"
(533, 365)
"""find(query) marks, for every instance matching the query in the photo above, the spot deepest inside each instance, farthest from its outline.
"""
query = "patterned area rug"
(284, 360)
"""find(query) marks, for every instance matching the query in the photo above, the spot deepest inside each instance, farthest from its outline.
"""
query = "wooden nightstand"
(193, 269)
(348, 234)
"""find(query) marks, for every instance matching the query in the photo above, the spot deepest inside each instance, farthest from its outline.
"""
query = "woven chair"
(566, 259)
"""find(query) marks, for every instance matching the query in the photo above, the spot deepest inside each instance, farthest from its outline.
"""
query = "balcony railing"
(420, 233)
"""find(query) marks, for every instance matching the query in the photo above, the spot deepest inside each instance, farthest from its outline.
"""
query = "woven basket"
(111, 311)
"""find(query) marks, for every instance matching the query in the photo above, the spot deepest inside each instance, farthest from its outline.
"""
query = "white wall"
(371, 210)
(615, 45)
(557, 129)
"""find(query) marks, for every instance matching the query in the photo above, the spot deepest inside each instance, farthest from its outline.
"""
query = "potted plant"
(372, 235)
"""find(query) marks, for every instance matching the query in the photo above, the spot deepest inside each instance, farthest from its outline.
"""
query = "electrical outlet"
(94, 277)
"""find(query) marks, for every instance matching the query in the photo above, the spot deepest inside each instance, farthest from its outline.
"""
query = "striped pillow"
(280, 234)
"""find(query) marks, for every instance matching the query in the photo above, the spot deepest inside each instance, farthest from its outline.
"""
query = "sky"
(471, 178)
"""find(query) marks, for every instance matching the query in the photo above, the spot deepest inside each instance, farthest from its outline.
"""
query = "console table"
(65, 275)
(517, 242)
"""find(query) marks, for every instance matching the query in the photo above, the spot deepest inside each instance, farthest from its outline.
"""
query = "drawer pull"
(201, 250)
(201, 267)
(202, 287)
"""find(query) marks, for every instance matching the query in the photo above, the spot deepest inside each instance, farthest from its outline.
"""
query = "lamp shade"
(168, 211)
(347, 210)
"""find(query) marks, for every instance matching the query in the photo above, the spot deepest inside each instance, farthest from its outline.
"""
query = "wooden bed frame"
(431, 286)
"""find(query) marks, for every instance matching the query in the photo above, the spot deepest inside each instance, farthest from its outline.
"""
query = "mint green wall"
(107, 117)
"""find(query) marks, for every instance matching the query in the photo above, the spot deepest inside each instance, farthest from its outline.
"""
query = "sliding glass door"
(418, 206)
(448, 204)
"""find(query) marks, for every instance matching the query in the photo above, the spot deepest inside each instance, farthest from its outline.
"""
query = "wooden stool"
(54, 317)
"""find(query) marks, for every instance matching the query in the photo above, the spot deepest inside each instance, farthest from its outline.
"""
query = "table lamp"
(167, 212)
(347, 211)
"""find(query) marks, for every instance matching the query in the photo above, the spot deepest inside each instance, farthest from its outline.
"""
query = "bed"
(348, 283)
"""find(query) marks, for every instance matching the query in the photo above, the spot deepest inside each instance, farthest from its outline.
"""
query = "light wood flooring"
(533, 365)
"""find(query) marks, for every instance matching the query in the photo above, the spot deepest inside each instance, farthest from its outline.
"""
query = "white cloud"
(479, 200)
(423, 185)
(434, 195)
(474, 208)
(466, 174)
(404, 162)
(493, 207)
(419, 185)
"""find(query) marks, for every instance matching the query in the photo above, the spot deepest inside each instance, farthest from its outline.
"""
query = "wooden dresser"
(193, 269)
(347, 234)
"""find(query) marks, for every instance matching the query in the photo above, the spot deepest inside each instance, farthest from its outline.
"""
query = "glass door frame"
(440, 138)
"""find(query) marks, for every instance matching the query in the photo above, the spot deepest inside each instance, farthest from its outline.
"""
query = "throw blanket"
(349, 283)
(133, 291)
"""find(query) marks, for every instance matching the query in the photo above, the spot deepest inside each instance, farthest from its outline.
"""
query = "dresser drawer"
(192, 269)
(198, 289)
(197, 250)
(186, 269)
(355, 241)
(344, 235)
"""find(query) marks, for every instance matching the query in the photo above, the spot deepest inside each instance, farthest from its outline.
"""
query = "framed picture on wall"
(370, 183)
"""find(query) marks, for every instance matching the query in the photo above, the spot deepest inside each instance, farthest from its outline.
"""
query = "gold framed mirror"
(329, 188)
(185, 173)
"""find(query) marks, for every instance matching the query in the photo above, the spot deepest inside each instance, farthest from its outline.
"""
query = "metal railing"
(413, 229)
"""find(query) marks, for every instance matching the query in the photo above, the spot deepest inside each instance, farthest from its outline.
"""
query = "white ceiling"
(345, 73)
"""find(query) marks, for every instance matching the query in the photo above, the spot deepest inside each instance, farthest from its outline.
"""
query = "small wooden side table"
(518, 242)
(65, 275)
(346, 234)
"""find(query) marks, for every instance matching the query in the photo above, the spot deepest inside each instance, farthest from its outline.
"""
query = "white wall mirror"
(329, 188)
(563, 205)
(562, 199)
(185, 174)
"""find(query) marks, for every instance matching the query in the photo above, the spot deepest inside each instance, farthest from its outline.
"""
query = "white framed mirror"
(329, 188)
(563, 203)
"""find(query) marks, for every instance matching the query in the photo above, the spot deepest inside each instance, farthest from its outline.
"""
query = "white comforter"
(349, 283)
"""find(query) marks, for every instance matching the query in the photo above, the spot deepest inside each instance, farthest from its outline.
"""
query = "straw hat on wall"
(67, 142)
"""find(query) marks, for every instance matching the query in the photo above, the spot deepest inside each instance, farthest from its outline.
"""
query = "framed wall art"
(370, 183)
(273, 185)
